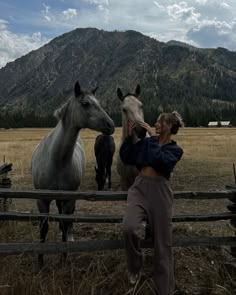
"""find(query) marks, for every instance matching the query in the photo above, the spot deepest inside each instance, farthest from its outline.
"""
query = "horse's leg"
(68, 208)
(124, 183)
(59, 207)
(67, 235)
(109, 175)
(70, 237)
(43, 207)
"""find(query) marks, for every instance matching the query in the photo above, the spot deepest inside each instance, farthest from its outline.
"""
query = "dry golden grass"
(206, 165)
(208, 155)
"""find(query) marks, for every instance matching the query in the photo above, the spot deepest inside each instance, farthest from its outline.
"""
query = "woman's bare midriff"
(149, 171)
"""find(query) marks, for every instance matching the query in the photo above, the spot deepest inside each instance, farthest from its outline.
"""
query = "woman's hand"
(131, 125)
(148, 128)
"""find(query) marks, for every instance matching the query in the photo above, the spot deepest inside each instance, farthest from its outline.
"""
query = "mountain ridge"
(172, 76)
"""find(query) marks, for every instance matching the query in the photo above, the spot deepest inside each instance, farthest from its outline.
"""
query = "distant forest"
(193, 116)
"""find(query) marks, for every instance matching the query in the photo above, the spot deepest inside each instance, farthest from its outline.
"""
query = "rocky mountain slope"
(172, 76)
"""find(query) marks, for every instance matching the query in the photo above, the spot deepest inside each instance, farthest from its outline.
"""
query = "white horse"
(131, 109)
(58, 162)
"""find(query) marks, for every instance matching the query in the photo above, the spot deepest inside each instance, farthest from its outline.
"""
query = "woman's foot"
(134, 278)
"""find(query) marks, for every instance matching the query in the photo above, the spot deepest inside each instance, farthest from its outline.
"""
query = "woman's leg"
(160, 216)
(133, 218)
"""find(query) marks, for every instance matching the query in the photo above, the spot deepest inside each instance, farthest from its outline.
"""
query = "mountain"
(179, 43)
(172, 76)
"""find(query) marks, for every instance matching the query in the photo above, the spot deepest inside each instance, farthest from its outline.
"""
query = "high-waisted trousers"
(151, 197)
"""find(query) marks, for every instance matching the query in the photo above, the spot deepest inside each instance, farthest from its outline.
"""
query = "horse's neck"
(124, 129)
(64, 143)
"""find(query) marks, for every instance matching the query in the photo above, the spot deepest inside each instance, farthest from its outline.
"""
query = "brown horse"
(104, 150)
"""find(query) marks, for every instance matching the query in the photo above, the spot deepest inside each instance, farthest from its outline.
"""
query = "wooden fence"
(92, 245)
(5, 182)
(96, 245)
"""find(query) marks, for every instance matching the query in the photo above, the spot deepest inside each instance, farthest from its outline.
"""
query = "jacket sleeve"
(163, 157)
(129, 151)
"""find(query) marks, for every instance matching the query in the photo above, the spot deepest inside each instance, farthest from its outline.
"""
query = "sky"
(26, 25)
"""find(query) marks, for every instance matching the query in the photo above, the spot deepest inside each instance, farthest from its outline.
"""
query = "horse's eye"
(141, 106)
(124, 110)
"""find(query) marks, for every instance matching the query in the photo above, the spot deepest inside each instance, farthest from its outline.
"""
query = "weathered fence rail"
(101, 245)
(109, 218)
(107, 195)
(92, 245)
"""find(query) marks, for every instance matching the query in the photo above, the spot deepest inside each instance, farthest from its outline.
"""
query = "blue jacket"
(148, 152)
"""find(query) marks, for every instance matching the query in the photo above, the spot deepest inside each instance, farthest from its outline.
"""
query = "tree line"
(193, 116)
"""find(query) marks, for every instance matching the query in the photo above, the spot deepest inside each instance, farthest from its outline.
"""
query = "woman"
(151, 196)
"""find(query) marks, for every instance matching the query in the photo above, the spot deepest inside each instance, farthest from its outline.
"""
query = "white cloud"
(184, 12)
(3, 24)
(203, 23)
(202, 2)
(69, 13)
(52, 18)
(45, 12)
(185, 20)
(225, 5)
(214, 33)
(98, 2)
(162, 7)
(48, 18)
(102, 7)
(46, 8)
(14, 45)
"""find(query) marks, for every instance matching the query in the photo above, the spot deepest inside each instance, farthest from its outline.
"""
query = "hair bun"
(178, 118)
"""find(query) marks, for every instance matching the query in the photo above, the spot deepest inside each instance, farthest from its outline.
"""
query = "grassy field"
(206, 165)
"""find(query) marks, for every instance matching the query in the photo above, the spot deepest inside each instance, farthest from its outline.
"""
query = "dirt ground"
(206, 165)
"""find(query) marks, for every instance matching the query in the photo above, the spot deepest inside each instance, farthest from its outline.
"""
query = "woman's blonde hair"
(175, 119)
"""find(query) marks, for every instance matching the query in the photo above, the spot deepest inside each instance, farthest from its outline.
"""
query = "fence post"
(5, 182)
(232, 207)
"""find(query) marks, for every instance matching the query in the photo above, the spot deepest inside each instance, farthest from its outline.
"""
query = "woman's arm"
(129, 151)
(163, 157)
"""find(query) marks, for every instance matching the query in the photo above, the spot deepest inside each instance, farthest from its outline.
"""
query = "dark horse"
(104, 149)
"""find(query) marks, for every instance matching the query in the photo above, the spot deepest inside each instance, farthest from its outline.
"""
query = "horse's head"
(132, 109)
(84, 111)
(100, 178)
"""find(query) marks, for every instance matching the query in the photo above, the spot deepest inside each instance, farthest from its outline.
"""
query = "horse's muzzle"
(140, 131)
(109, 127)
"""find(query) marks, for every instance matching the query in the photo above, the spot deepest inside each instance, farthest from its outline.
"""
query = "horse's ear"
(120, 94)
(77, 89)
(60, 112)
(94, 90)
(138, 90)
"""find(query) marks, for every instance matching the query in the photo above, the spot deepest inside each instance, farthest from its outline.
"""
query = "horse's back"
(104, 145)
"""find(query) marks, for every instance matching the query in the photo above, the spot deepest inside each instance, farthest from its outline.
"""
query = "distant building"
(219, 124)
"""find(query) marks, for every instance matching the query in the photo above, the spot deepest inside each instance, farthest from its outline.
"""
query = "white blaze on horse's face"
(132, 109)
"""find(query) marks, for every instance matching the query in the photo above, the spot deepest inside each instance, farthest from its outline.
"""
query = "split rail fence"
(228, 214)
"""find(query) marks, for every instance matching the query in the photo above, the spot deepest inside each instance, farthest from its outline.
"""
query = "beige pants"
(151, 197)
